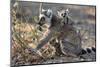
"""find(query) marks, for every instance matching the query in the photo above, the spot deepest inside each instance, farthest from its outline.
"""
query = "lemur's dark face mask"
(63, 14)
(42, 20)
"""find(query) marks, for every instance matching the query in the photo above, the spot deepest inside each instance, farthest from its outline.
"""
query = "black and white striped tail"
(88, 50)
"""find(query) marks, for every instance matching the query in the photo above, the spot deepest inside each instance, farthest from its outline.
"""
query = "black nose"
(42, 19)
(40, 23)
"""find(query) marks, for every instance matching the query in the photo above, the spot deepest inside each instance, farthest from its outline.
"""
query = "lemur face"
(45, 17)
(63, 13)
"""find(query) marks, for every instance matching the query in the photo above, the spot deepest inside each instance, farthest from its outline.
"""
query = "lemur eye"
(61, 14)
(64, 13)
(43, 19)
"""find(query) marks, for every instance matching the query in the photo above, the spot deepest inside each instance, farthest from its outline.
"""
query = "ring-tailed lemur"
(64, 14)
(70, 42)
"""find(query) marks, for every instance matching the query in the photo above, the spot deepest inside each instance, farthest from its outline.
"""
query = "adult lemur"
(70, 41)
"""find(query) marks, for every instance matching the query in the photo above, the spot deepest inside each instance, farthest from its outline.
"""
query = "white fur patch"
(62, 12)
(47, 17)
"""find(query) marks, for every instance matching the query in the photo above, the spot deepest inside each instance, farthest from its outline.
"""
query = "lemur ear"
(67, 10)
(49, 13)
(58, 12)
(43, 10)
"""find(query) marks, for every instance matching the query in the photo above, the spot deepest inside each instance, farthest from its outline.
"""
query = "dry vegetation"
(24, 36)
